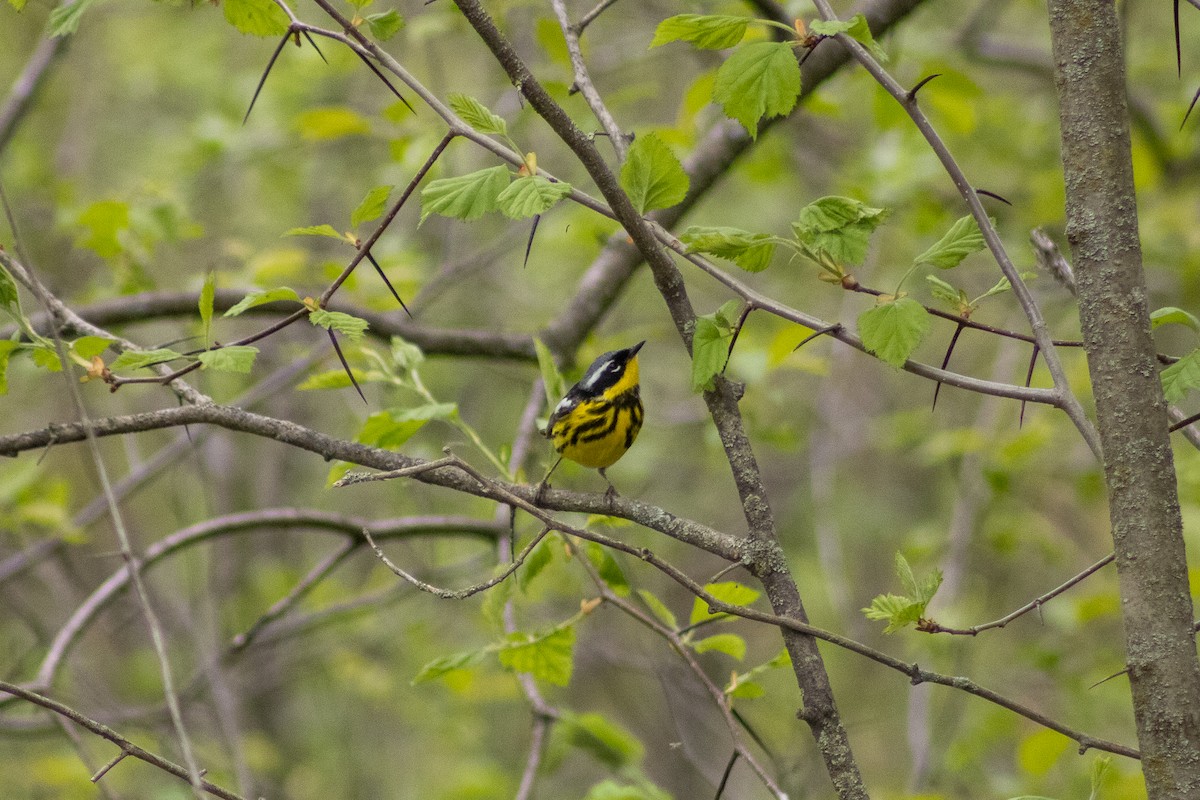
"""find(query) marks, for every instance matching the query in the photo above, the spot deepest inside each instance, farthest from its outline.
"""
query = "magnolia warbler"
(600, 416)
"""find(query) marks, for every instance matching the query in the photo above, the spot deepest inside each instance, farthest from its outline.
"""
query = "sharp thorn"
(949, 351)
(1028, 380)
(912, 93)
(529, 245)
(1195, 97)
(266, 72)
(384, 78)
(314, 46)
(346, 366)
(395, 294)
(993, 195)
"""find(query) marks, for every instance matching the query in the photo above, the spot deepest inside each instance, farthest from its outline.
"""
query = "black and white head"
(610, 369)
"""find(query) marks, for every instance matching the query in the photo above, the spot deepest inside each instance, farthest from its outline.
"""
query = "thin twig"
(157, 638)
(675, 640)
(590, 17)
(100, 773)
(148, 306)
(1065, 397)
(105, 732)
(929, 626)
(455, 594)
(583, 83)
(323, 300)
(318, 573)
(153, 467)
(262, 520)
(914, 672)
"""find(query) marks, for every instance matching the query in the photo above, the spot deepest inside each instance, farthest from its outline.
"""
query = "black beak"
(633, 350)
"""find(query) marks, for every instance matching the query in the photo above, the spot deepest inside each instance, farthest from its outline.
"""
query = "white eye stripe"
(590, 383)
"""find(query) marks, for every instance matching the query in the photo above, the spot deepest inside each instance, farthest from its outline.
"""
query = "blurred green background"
(132, 172)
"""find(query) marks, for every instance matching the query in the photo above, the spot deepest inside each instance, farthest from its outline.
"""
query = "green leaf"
(538, 559)
(753, 689)
(351, 326)
(945, 292)
(445, 664)
(1038, 752)
(730, 592)
(608, 568)
(908, 581)
(758, 80)
(46, 357)
(331, 122)
(64, 20)
(465, 197)
(1181, 377)
(261, 297)
(547, 657)
(477, 115)
(316, 230)
(105, 221)
(386, 25)
(899, 612)
(10, 298)
(496, 599)
(746, 690)
(18, 5)
(231, 358)
(927, 587)
(604, 740)
(205, 303)
(360, 4)
(963, 238)
(710, 345)
(339, 379)
(652, 176)
(393, 427)
(838, 227)
(256, 17)
(750, 251)
(406, 356)
(1100, 768)
(893, 330)
(659, 609)
(87, 347)
(903, 610)
(1001, 287)
(530, 195)
(372, 206)
(7, 348)
(609, 789)
(856, 28)
(552, 380)
(136, 359)
(706, 31)
(1173, 316)
(728, 643)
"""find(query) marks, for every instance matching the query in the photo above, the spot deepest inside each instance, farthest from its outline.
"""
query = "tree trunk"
(1147, 532)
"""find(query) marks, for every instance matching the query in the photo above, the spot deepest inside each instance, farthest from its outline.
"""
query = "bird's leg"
(543, 486)
(612, 490)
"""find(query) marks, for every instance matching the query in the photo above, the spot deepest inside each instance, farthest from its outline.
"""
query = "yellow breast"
(598, 432)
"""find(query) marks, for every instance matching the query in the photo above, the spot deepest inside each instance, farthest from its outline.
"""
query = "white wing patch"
(564, 405)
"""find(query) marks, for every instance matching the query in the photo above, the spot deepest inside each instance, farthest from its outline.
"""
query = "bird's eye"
(614, 367)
